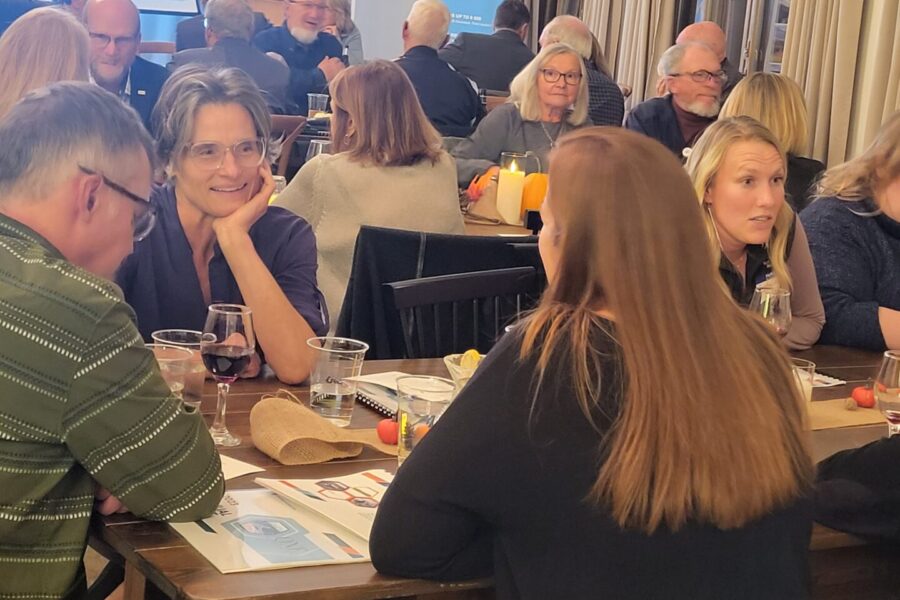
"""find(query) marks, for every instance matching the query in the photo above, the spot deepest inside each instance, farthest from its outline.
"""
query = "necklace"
(550, 138)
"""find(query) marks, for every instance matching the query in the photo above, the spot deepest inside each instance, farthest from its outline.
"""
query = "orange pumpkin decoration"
(534, 192)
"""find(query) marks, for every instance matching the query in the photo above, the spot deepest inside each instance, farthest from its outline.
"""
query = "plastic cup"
(804, 373)
(317, 103)
(196, 374)
(421, 402)
(331, 394)
(174, 364)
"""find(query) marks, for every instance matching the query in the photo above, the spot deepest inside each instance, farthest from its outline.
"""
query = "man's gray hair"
(230, 18)
(429, 21)
(569, 30)
(188, 90)
(670, 61)
(53, 130)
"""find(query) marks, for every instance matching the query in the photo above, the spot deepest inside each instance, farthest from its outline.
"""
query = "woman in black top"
(638, 436)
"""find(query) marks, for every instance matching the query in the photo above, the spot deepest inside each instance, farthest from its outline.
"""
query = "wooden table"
(487, 229)
(841, 566)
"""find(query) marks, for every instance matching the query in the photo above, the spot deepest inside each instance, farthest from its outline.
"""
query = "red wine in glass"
(226, 362)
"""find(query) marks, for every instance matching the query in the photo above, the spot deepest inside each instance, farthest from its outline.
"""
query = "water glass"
(174, 364)
(331, 394)
(196, 374)
(421, 402)
(317, 103)
(774, 306)
(887, 390)
(317, 147)
(804, 373)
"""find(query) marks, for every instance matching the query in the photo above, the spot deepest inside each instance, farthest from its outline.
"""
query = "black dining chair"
(447, 314)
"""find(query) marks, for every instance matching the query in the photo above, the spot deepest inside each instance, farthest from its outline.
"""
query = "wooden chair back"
(289, 128)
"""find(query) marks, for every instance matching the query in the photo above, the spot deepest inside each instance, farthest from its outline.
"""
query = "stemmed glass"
(774, 306)
(227, 345)
(887, 390)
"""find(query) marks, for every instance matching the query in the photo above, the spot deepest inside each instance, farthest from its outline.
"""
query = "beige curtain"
(844, 55)
(634, 34)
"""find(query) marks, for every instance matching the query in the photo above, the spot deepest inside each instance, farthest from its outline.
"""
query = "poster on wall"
(172, 7)
(472, 16)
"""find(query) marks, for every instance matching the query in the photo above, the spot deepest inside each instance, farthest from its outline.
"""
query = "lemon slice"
(470, 359)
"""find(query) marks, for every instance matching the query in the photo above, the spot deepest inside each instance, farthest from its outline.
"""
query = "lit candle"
(510, 186)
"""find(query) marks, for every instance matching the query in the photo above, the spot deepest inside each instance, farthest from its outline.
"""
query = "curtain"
(634, 34)
(844, 55)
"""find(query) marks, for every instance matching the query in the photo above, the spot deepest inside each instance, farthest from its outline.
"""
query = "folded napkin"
(283, 428)
(831, 414)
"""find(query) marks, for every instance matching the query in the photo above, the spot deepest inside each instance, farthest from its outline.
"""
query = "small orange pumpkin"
(534, 192)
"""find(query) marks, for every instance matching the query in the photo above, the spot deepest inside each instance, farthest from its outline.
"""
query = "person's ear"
(404, 33)
(85, 196)
(523, 32)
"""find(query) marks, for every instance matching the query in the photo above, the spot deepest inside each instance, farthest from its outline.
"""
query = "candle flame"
(513, 167)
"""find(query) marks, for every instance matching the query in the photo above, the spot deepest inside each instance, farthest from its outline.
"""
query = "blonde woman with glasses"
(216, 238)
(738, 171)
(637, 436)
(28, 61)
(547, 99)
(854, 235)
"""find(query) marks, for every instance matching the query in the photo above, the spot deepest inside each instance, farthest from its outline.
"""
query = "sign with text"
(472, 16)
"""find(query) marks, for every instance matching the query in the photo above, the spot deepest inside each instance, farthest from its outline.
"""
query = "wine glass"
(887, 390)
(317, 147)
(774, 306)
(227, 347)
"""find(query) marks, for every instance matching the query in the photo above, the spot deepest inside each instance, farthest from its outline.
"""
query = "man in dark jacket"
(115, 30)
(313, 56)
(228, 30)
(491, 61)
(694, 79)
(448, 99)
(191, 33)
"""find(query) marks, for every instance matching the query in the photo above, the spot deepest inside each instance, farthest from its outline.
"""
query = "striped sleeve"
(133, 437)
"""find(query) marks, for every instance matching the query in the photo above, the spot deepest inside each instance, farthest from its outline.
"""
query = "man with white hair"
(606, 105)
(694, 78)
(313, 56)
(229, 27)
(449, 100)
(709, 33)
(88, 422)
(115, 30)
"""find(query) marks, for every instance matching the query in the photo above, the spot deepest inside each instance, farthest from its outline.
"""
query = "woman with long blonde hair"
(738, 171)
(854, 235)
(777, 102)
(638, 436)
(43, 46)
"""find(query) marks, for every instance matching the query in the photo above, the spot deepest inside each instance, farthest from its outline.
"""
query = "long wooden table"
(841, 566)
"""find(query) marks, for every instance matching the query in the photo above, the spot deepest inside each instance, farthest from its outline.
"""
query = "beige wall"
(273, 9)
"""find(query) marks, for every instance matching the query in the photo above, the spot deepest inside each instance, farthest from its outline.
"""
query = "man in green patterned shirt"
(83, 408)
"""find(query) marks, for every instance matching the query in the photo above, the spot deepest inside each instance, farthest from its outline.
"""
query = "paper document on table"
(832, 414)
(233, 468)
(258, 530)
(378, 391)
(820, 380)
(350, 501)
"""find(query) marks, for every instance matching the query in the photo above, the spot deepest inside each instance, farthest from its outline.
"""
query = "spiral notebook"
(379, 392)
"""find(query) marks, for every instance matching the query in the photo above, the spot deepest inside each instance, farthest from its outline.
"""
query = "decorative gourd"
(535, 191)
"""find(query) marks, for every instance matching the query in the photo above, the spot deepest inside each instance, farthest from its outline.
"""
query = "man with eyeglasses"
(87, 423)
(709, 33)
(694, 78)
(115, 30)
(313, 56)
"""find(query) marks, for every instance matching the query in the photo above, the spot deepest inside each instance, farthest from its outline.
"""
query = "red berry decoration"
(388, 430)
(864, 396)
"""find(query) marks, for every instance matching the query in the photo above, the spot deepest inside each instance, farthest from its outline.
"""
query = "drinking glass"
(318, 105)
(421, 402)
(804, 373)
(317, 147)
(774, 306)
(887, 390)
(174, 364)
(227, 347)
(331, 391)
(196, 375)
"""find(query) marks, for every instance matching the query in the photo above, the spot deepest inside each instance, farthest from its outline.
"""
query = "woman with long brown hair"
(638, 436)
(387, 170)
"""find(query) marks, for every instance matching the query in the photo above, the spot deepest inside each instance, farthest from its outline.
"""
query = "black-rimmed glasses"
(552, 76)
(211, 155)
(144, 220)
(703, 76)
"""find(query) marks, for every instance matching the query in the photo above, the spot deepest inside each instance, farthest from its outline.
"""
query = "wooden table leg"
(135, 582)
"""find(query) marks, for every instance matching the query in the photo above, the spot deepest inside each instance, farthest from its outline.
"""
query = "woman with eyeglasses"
(547, 98)
(217, 239)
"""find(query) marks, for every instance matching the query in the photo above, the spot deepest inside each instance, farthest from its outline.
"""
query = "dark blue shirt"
(449, 100)
(161, 284)
(857, 256)
(303, 60)
(656, 118)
